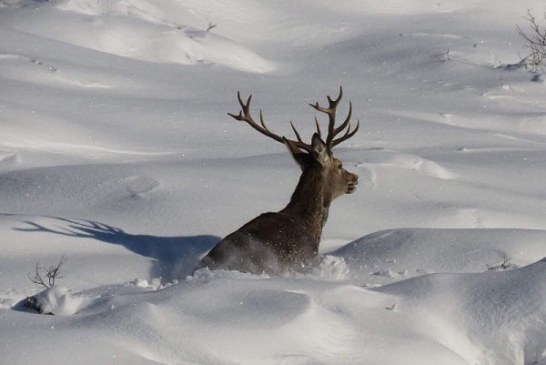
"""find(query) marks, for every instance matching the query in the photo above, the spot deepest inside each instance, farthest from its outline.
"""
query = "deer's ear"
(300, 157)
(320, 151)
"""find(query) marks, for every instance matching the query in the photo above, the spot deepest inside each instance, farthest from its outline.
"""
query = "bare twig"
(506, 264)
(535, 41)
(51, 274)
(211, 26)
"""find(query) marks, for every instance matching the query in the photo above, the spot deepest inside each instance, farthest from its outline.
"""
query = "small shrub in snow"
(506, 264)
(48, 301)
(211, 26)
(51, 274)
(535, 42)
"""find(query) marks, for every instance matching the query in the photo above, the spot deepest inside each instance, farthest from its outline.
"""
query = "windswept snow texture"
(116, 151)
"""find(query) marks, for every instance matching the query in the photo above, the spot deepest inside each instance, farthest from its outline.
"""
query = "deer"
(288, 241)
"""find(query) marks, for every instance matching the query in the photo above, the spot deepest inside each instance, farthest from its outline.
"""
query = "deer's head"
(316, 158)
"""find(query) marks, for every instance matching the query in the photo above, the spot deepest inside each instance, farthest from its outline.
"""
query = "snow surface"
(116, 151)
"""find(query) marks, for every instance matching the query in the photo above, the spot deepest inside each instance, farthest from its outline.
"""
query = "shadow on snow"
(173, 257)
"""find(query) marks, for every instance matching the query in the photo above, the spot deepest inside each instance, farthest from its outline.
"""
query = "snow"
(116, 151)
(55, 301)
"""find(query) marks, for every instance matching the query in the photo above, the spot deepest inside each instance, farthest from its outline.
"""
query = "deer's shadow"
(172, 257)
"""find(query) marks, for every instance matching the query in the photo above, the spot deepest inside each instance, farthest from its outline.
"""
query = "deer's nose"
(353, 182)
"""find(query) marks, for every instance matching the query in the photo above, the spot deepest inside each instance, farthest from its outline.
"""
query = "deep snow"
(116, 151)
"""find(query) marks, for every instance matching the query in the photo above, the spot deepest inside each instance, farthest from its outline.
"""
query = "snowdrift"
(116, 151)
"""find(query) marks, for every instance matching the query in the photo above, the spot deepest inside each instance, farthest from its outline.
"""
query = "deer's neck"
(310, 201)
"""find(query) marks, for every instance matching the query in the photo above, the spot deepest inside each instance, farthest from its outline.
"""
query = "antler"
(333, 131)
(244, 115)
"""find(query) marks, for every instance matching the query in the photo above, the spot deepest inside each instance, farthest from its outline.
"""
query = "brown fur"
(289, 239)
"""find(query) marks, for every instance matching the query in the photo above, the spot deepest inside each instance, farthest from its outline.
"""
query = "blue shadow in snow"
(173, 257)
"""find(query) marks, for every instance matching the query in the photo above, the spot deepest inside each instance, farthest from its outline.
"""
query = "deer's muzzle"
(351, 186)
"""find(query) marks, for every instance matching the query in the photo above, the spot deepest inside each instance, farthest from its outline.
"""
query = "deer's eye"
(340, 166)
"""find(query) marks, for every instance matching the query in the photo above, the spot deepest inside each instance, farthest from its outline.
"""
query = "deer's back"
(272, 243)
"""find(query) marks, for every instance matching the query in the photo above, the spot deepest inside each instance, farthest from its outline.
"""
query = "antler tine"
(333, 131)
(330, 111)
(296, 132)
(336, 101)
(247, 100)
(343, 125)
(262, 121)
(348, 134)
(332, 104)
(318, 127)
(244, 107)
(244, 115)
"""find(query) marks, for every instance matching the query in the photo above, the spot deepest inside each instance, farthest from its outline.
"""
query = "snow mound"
(393, 255)
(116, 151)
(56, 300)
(158, 43)
(142, 30)
(486, 318)
(410, 162)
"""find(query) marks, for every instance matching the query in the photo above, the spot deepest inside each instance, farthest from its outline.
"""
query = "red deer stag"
(289, 239)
